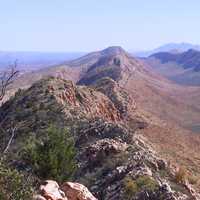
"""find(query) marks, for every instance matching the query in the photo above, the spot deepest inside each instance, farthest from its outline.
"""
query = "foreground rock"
(50, 190)
(76, 191)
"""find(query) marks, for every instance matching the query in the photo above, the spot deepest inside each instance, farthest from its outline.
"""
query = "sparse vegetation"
(141, 183)
(52, 157)
(147, 183)
(13, 185)
(131, 187)
(180, 175)
(192, 179)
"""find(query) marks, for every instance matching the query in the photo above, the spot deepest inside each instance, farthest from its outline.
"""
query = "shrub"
(142, 183)
(13, 185)
(131, 187)
(53, 157)
(192, 179)
(180, 175)
(147, 183)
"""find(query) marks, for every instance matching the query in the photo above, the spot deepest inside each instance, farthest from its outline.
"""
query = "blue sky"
(87, 25)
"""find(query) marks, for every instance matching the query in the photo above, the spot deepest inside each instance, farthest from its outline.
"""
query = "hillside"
(188, 59)
(109, 153)
(183, 68)
(162, 98)
(163, 104)
(117, 110)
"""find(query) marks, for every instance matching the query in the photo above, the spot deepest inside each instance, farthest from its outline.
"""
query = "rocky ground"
(114, 161)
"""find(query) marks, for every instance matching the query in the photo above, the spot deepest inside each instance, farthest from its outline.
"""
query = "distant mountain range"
(183, 68)
(170, 47)
(35, 60)
(188, 59)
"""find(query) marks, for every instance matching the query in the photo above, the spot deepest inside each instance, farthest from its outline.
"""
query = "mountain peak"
(113, 50)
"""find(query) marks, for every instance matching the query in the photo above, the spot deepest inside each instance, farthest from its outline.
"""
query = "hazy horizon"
(84, 26)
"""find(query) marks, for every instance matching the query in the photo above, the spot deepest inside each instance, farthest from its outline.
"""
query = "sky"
(87, 25)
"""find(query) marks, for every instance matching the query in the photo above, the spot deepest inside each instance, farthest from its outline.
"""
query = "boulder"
(76, 191)
(50, 190)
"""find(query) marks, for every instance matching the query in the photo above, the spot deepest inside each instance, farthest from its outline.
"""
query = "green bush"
(131, 188)
(53, 157)
(141, 183)
(147, 183)
(13, 185)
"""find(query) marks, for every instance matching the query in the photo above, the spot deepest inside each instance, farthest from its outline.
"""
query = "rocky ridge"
(113, 161)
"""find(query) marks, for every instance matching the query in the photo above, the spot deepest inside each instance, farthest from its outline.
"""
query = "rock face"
(121, 99)
(50, 190)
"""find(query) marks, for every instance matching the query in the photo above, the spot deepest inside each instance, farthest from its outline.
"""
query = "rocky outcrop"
(50, 190)
(100, 150)
(83, 101)
(54, 100)
(114, 169)
(121, 99)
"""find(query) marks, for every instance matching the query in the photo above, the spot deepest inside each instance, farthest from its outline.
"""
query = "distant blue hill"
(170, 47)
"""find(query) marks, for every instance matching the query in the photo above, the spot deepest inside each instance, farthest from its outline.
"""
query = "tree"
(6, 79)
(54, 156)
(13, 185)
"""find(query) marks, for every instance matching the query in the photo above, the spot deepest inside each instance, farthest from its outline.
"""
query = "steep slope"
(69, 70)
(156, 96)
(164, 105)
(54, 95)
(110, 155)
(153, 94)
(139, 97)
